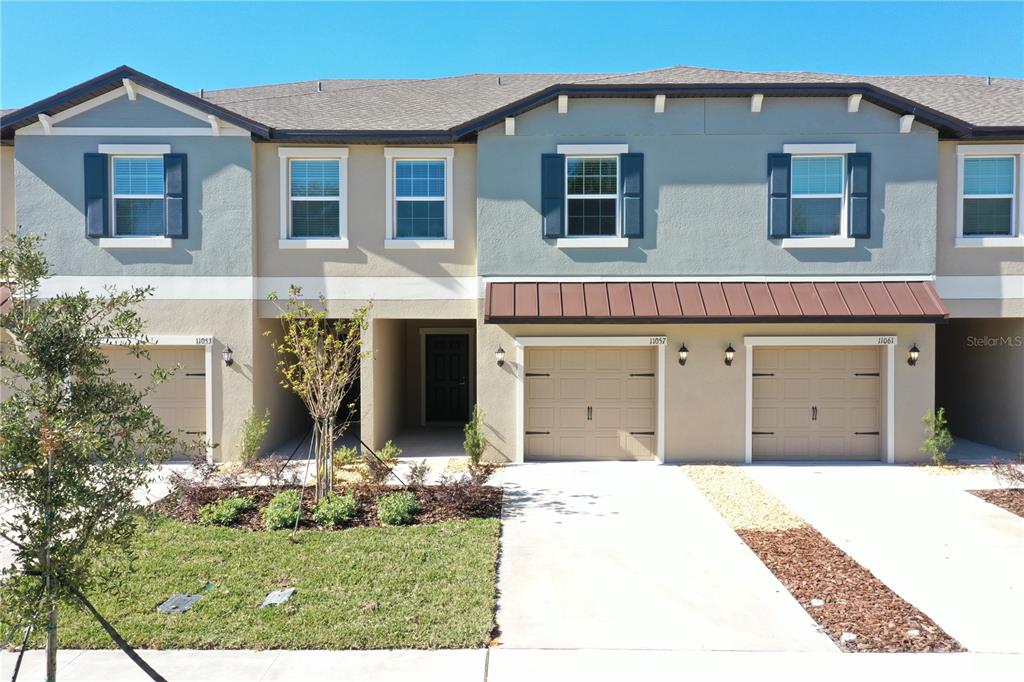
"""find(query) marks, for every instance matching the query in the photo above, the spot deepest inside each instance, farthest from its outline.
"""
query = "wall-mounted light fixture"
(730, 353)
(683, 352)
(913, 355)
(226, 355)
(499, 356)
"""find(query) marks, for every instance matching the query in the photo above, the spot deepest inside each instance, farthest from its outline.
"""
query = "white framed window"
(418, 187)
(989, 190)
(314, 197)
(593, 209)
(818, 195)
(136, 186)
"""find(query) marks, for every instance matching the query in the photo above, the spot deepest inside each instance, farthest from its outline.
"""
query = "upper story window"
(817, 195)
(418, 183)
(313, 198)
(138, 195)
(989, 209)
(592, 196)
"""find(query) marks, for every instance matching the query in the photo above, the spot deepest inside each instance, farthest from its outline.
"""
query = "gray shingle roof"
(444, 103)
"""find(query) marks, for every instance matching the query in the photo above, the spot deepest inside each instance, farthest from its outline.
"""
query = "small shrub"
(397, 509)
(475, 442)
(939, 441)
(377, 469)
(334, 510)
(254, 430)
(282, 511)
(345, 456)
(225, 512)
(1010, 474)
(418, 472)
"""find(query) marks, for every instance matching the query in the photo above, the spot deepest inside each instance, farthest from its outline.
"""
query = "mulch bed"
(855, 601)
(1010, 499)
(437, 503)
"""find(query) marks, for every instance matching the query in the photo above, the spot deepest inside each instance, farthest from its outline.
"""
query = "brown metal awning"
(638, 302)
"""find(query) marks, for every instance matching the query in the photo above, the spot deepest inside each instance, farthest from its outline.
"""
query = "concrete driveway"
(624, 555)
(950, 554)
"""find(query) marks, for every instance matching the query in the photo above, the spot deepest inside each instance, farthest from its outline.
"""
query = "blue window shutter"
(552, 195)
(97, 196)
(176, 196)
(859, 168)
(632, 168)
(778, 195)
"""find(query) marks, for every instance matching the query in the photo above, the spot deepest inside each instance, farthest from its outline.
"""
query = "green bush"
(939, 441)
(475, 443)
(282, 511)
(397, 509)
(334, 510)
(225, 512)
(345, 455)
(377, 469)
(254, 430)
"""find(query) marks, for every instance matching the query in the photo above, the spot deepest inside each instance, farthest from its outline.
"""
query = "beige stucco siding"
(705, 399)
(382, 382)
(366, 206)
(980, 380)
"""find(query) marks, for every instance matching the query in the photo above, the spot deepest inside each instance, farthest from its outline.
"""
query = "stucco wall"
(50, 190)
(230, 323)
(289, 420)
(8, 222)
(142, 113)
(366, 206)
(381, 387)
(705, 189)
(980, 380)
(704, 400)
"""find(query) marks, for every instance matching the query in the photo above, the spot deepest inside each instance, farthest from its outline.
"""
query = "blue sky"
(45, 47)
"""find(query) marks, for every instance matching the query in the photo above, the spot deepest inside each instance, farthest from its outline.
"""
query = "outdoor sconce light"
(730, 353)
(499, 356)
(683, 352)
(226, 354)
(913, 355)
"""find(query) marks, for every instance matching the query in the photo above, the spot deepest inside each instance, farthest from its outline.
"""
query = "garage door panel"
(641, 388)
(640, 419)
(539, 388)
(638, 360)
(571, 417)
(849, 405)
(607, 417)
(605, 359)
(570, 359)
(572, 388)
(540, 417)
(607, 388)
(540, 359)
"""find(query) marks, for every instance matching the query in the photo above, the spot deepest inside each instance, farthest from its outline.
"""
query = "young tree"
(75, 442)
(318, 359)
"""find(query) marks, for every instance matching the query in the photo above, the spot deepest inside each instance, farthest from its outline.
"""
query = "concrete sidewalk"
(947, 552)
(516, 665)
(627, 555)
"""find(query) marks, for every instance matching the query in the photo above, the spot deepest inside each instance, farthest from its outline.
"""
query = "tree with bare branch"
(318, 359)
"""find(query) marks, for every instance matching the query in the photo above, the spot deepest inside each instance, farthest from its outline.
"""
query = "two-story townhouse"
(677, 265)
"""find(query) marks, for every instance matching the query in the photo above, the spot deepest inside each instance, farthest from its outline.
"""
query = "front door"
(447, 378)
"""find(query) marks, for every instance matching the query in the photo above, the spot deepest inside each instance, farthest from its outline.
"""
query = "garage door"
(812, 403)
(180, 402)
(590, 403)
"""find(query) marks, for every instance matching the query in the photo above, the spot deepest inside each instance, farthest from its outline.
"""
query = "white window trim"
(149, 241)
(592, 241)
(1016, 236)
(285, 156)
(843, 240)
(395, 154)
(592, 149)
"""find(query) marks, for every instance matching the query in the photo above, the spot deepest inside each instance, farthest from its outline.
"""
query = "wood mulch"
(1010, 499)
(438, 503)
(853, 601)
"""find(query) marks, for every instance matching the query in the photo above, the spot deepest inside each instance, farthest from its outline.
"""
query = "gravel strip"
(741, 500)
(1010, 499)
(850, 604)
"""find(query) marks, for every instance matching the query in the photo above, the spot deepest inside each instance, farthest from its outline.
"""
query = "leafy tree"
(318, 359)
(75, 443)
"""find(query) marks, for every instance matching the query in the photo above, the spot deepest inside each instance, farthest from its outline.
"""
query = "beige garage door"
(180, 402)
(814, 403)
(590, 403)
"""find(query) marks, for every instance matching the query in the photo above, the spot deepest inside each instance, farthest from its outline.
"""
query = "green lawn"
(430, 586)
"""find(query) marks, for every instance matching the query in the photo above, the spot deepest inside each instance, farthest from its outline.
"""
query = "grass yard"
(428, 586)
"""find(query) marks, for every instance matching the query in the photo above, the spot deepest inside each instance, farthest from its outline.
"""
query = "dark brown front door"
(447, 378)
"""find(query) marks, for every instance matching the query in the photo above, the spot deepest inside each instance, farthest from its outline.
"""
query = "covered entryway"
(817, 403)
(180, 402)
(590, 403)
